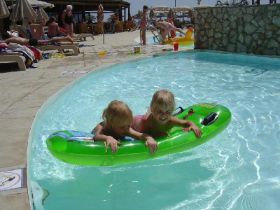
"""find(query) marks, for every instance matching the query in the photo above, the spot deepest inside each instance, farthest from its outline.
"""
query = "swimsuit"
(33, 42)
(138, 123)
(144, 22)
(68, 19)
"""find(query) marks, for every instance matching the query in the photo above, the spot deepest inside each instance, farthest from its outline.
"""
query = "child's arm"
(109, 140)
(189, 125)
(150, 142)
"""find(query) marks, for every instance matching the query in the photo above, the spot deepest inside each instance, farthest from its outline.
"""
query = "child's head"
(51, 20)
(145, 8)
(69, 7)
(118, 117)
(162, 106)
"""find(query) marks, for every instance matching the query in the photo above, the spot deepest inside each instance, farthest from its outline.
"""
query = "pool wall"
(247, 29)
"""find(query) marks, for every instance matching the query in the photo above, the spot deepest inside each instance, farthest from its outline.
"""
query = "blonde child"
(159, 119)
(117, 124)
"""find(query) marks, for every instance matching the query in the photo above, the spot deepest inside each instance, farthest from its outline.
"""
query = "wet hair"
(162, 99)
(51, 20)
(117, 112)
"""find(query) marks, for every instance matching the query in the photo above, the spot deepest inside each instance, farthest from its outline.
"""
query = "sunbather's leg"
(62, 39)
(17, 40)
(163, 33)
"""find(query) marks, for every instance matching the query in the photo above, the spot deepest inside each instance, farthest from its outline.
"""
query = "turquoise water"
(238, 169)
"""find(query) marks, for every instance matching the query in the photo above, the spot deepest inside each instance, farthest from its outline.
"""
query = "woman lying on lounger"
(36, 42)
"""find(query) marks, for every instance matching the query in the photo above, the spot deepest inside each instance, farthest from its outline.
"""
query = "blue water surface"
(238, 169)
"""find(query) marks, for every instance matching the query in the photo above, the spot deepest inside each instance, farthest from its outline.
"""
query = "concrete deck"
(24, 92)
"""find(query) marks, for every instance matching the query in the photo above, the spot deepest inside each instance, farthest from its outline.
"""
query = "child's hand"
(113, 143)
(194, 128)
(152, 144)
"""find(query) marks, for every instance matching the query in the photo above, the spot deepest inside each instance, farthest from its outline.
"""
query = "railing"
(258, 2)
(223, 3)
(233, 3)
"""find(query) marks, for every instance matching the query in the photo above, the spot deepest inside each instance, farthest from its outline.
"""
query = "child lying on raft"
(159, 120)
(117, 120)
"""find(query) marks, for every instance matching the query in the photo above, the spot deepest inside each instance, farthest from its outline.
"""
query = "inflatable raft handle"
(178, 112)
(208, 120)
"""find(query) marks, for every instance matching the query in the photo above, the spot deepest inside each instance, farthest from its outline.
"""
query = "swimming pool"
(238, 169)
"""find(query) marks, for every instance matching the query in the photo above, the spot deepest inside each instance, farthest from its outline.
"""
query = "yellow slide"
(186, 40)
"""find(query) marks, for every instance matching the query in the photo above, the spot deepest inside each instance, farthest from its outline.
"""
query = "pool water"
(238, 169)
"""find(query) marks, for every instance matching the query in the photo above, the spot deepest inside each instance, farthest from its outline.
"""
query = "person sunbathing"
(36, 42)
(53, 28)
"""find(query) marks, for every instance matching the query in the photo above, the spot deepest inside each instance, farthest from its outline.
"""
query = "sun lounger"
(13, 58)
(61, 48)
(83, 36)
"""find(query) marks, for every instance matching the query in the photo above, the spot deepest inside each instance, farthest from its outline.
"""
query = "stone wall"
(246, 29)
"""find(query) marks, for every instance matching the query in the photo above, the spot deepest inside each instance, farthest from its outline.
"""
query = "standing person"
(113, 23)
(159, 120)
(117, 119)
(100, 19)
(143, 25)
(67, 20)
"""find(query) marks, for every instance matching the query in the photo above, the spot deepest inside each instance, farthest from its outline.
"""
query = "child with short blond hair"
(117, 120)
(159, 119)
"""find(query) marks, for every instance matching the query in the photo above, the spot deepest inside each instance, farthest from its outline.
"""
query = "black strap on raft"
(181, 109)
(190, 112)
(208, 120)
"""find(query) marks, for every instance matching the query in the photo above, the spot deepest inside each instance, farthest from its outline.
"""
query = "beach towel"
(37, 53)
(25, 51)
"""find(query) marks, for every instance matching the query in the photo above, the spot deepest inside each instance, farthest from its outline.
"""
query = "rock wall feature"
(244, 29)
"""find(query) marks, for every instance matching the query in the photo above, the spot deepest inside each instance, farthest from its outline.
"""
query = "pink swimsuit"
(138, 123)
(144, 22)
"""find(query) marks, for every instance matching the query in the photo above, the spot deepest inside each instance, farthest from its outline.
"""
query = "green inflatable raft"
(77, 147)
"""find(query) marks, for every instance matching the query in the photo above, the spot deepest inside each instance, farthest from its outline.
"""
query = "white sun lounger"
(13, 58)
(83, 36)
(61, 48)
